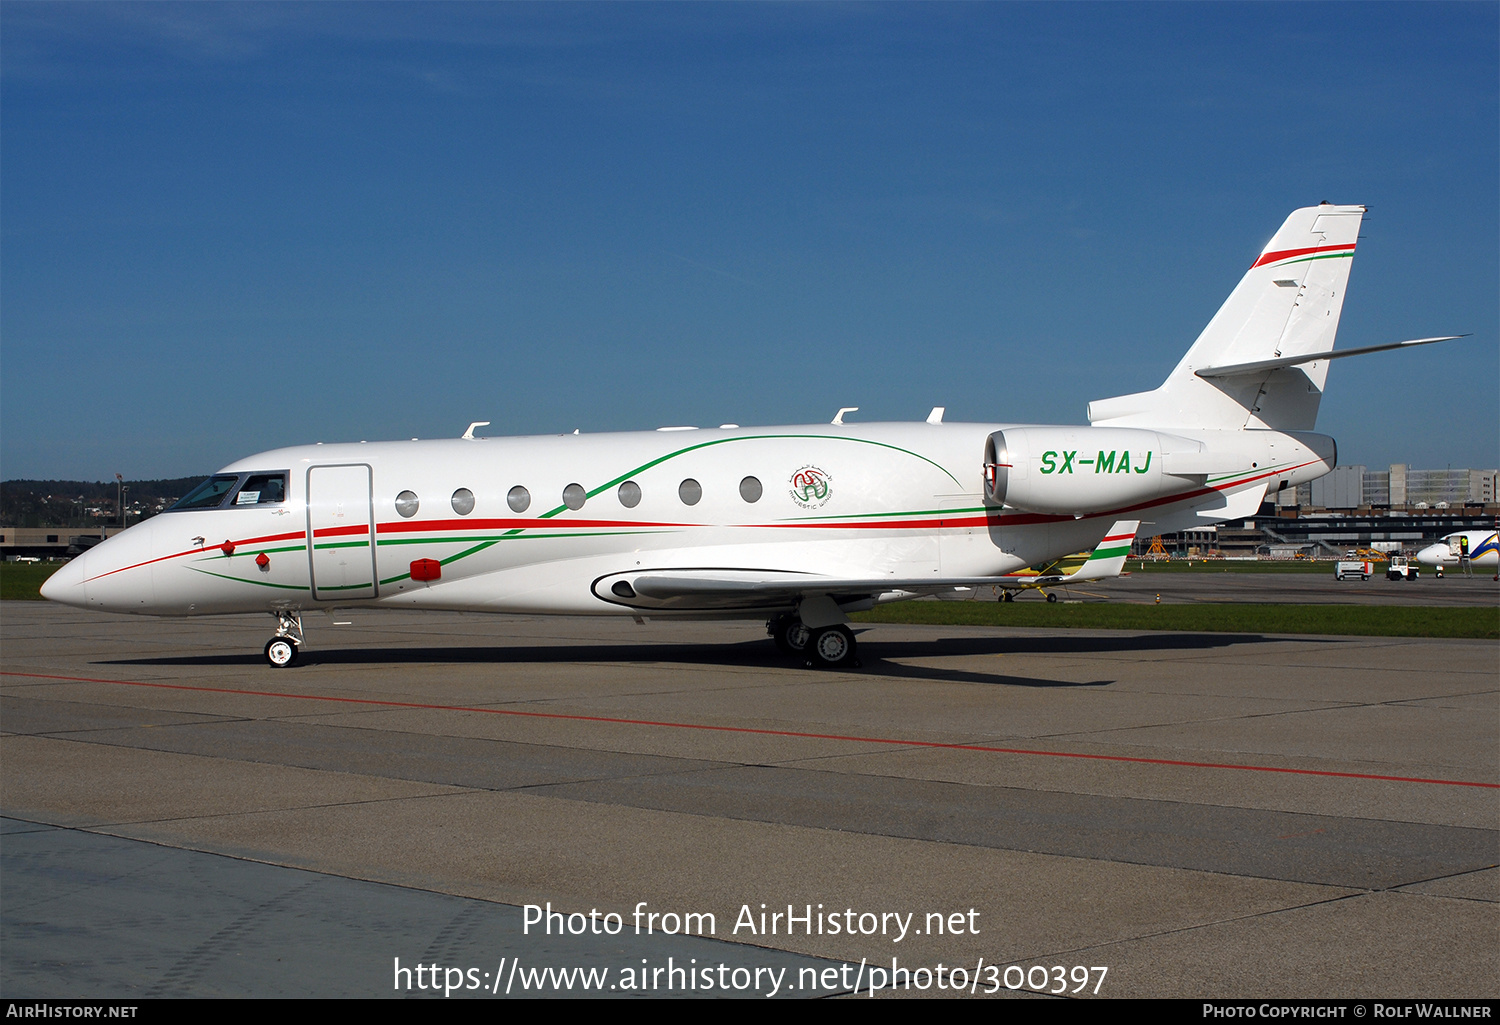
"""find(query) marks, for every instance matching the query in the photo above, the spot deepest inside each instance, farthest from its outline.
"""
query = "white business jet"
(796, 525)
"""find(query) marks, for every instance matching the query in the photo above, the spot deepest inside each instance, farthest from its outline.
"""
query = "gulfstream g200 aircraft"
(796, 525)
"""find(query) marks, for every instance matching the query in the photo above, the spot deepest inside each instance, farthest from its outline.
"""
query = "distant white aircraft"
(796, 525)
(1467, 548)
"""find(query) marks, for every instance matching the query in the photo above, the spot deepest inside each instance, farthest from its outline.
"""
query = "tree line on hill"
(79, 503)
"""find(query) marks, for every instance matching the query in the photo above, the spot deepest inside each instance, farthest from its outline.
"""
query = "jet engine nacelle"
(1073, 471)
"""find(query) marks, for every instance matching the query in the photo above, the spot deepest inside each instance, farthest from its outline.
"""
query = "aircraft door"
(341, 532)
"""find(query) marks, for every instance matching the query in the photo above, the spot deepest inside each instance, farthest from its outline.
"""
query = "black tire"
(1008, 597)
(281, 652)
(1052, 597)
(789, 634)
(831, 646)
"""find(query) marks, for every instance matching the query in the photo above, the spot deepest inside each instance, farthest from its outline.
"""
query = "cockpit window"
(262, 489)
(208, 495)
(253, 489)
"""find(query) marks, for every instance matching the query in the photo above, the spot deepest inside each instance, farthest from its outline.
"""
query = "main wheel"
(1009, 596)
(1052, 597)
(281, 652)
(790, 635)
(832, 646)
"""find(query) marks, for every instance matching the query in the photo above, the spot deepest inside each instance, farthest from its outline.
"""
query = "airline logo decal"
(811, 487)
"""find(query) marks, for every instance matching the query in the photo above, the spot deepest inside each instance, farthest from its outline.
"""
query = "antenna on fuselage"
(839, 416)
(469, 434)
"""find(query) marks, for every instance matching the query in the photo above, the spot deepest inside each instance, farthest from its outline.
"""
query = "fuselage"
(1479, 548)
(530, 524)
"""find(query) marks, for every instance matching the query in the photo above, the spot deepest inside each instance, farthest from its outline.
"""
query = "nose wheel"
(283, 649)
(281, 652)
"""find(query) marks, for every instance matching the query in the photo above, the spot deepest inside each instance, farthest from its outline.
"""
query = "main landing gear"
(826, 647)
(283, 649)
(789, 634)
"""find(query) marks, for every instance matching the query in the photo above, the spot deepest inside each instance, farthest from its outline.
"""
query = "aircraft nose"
(1432, 555)
(66, 585)
(113, 576)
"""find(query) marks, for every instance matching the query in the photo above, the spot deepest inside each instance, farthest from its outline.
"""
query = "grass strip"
(1349, 620)
(22, 581)
(1137, 565)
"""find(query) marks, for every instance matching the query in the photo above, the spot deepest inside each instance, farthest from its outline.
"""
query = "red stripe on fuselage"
(357, 528)
(267, 539)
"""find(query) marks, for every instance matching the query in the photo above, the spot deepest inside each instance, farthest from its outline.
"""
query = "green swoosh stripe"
(257, 583)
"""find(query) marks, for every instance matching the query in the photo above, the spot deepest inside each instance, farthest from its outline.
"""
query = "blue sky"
(226, 228)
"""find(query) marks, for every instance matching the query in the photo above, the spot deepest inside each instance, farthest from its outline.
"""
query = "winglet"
(1110, 553)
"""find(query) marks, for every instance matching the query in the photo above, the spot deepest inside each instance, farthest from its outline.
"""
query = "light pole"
(120, 497)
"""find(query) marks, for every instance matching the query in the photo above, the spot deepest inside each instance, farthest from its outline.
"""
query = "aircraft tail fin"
(1286, 305)
(1109, 555)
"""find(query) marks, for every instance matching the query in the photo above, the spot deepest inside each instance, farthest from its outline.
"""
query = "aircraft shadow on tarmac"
(876, 655)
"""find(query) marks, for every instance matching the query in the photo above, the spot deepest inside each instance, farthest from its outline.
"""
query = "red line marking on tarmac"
(760, 732)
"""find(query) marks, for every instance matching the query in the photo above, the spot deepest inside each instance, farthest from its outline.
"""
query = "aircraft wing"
(712, 589)
(1106, 560)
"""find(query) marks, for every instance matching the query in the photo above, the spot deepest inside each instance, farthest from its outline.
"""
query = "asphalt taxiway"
(1202, 814)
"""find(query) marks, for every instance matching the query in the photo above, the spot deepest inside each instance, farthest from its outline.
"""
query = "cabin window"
(208, 495)
(406, 504)
(574, 496)
(750, 489)
(519, 499)
(630, 494)
(463, 501)
(262, 489)
(690, 491)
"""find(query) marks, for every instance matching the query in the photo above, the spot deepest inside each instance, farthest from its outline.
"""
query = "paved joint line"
(1398, 887)
(1199, 722)
(1036, 958)
(102, 828)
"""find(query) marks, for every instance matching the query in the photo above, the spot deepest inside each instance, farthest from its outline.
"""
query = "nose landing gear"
(282, 650)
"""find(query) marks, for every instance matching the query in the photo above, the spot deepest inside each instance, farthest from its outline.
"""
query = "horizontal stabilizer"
(1261, 366)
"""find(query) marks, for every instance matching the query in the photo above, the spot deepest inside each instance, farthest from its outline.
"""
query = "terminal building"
(1397, 509)
(46, 543)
